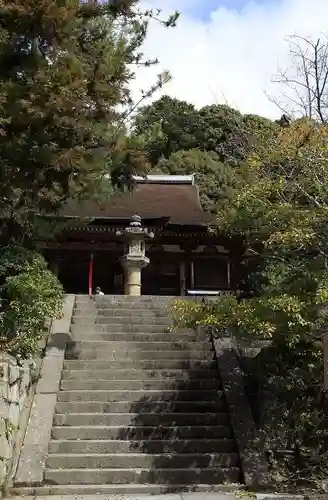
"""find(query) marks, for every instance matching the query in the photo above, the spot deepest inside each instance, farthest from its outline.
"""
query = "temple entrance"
(107, 273)
(73, 269)
(168, 273)
(161, 276)
(74, 266)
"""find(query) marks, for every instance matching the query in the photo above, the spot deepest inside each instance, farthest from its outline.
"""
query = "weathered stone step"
(224, 445)
(148, 364)
(142, 346)
(150, 406)
(84, 334)
(125, 312)
(141, 432)
(134, 302)
(120, 323)
(193, 475)
(143, 419)
(120, 299)
(97, 327)
(110, 491)
(114, 298)
(141, 396)
(148, 314)
(121, 355)
(90, 319)
(136, 306)
(137, 460)
(114, 316)
(136, 385)
(135, 374)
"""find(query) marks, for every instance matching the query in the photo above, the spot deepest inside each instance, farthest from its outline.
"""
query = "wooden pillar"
(192, 273)
(183, 290)
(229, 273)
(189, 272)
(325, 357)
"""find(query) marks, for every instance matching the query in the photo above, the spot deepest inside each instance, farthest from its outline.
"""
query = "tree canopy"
(215, 179)
(279, 211)
(210, 142)
(65, 67)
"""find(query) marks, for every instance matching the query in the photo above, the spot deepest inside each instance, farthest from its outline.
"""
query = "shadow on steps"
(192, 442)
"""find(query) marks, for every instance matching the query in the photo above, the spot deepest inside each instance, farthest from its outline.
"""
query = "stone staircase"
(139, 405)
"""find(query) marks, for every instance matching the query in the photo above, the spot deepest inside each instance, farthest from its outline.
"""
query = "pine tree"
(65, 69)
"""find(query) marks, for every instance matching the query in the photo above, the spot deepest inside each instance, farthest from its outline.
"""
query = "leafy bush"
(284, 381)
(29, 295)
(279, 216)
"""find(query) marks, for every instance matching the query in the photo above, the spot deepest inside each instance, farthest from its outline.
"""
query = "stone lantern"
(134, 258)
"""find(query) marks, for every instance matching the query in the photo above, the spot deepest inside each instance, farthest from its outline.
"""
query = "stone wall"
(15, 383)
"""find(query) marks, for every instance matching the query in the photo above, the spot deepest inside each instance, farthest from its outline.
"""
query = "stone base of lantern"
(132, 267)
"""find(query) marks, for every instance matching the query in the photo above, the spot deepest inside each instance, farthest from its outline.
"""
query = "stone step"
(137, 460)
(142, 397)
(115, 317)
(91, 334)
(115, 298)
(148, 364)
(110, 491)
(125, 312)
(135, 374)
(151, 406)
(137, 306)
(121, 355)
(193, 475)
(124, 322)
(141, 432)
(97, 327)
(153, 316)
(109, 327)
(138, 385)
(143, 419)
(132, 303)
(224, 445)
(142, 346)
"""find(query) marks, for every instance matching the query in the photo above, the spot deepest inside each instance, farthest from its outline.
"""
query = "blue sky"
(202, 9)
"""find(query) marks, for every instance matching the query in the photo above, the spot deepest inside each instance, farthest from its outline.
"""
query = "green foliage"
(170, 125)
(65, 70)
(215, 180)
(29, 295)
(223, 132)
(211, 143)
(279, 211)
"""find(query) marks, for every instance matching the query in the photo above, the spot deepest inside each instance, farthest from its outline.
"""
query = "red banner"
(90, 274)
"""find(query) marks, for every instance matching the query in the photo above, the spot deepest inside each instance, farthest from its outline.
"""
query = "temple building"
(186, 256)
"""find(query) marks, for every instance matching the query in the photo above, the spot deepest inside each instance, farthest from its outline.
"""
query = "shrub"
(29, 295)
(283, 382)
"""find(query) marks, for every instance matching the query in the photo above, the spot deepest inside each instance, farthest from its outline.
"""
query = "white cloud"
(232, 56)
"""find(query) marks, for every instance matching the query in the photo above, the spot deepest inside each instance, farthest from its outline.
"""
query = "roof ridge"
(165, 179)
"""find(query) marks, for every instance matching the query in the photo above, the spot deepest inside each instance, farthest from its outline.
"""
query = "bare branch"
(306, 79)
